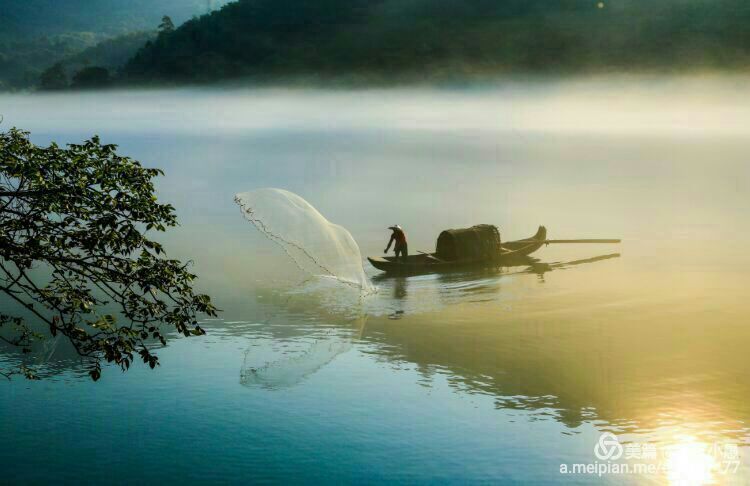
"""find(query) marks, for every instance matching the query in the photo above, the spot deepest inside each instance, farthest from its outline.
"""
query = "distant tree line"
(36, 34)
(387, 40)
(94, 67)
(390, 38)
(29, 19)
(23, 60)
(97, 66)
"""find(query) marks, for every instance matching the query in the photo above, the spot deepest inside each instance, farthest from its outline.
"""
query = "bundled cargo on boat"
(477, 243)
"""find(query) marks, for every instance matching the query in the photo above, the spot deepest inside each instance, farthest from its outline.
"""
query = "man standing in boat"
(399, 237)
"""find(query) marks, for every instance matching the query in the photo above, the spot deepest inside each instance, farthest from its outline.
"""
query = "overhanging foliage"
(72, 243)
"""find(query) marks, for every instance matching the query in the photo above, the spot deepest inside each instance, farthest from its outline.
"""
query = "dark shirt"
(399, 237)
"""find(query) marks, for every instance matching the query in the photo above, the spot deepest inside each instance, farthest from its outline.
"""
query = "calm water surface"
(496, 375)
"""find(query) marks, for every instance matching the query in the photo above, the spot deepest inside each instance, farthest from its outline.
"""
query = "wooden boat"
(504, 254)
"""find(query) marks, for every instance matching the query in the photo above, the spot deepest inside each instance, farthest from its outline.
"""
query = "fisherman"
(399, 237)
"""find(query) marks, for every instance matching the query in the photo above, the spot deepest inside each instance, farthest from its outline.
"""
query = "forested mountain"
(35, 34)
(416, 38)
(368, 39)
(35, 18)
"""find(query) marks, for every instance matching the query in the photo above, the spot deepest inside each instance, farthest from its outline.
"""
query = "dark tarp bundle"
(479, 242)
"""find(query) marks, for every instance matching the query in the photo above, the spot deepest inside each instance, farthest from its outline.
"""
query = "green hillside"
(35, 34)
(34, 18)
(383, 39)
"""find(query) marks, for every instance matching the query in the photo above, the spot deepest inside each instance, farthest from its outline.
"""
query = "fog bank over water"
(663, 106)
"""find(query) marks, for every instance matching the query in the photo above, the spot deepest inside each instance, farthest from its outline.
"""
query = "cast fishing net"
(329, 313)
(317, 246)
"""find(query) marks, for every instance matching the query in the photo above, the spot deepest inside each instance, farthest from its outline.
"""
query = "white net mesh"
(317, 246)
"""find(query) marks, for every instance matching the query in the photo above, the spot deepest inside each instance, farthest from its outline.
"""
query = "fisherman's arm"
(393, 238)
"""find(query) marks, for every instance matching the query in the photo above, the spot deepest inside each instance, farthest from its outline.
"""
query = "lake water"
(499, 375)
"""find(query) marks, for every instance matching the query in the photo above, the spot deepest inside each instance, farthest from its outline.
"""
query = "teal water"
(492, 376)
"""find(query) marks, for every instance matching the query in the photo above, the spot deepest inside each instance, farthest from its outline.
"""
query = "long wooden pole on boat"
(584, 241)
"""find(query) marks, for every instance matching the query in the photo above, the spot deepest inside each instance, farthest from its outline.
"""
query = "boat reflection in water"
(454, 286)
(583, 358)
(310, 335)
